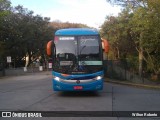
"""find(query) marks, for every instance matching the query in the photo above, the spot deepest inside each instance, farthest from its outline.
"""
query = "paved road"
(34, 93)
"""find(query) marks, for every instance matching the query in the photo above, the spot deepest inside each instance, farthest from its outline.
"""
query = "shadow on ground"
(79, 94)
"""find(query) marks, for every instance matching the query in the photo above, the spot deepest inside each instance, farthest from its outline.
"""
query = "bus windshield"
(89, 48)
(77, 54)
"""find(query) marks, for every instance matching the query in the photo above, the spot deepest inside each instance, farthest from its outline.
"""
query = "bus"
(77, 60)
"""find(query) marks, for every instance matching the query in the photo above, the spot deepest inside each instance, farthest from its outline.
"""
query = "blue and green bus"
(77, 60)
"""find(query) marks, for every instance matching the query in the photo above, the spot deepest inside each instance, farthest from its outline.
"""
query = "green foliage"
(145, 28)
(24, 34)
(4, 11)
(5, 4)
(117, 31)
(132, 61)
(137, 28)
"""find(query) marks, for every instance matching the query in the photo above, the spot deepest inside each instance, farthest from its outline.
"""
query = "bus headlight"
(57, 78)
(98, 77)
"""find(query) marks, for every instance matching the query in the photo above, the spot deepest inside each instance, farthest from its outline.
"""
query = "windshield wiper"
(82, 65)
(80, 54)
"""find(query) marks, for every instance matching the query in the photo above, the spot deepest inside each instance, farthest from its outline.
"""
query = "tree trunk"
(117, 54)
(27, 60)
(140, 61)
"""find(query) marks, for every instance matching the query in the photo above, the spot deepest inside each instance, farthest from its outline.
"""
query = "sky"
(89, 12)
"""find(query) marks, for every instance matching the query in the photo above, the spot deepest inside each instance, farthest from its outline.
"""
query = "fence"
(119, 70)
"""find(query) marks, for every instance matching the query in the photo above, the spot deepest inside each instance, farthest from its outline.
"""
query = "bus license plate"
(78, 87)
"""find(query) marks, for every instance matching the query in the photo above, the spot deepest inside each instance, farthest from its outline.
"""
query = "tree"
(23, 34)
(4, 11)
(35, 33)
(144, 31)
(60, 25)
(133, 4)
(117, 31)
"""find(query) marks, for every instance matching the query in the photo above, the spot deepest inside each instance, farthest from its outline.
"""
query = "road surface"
(34, 93)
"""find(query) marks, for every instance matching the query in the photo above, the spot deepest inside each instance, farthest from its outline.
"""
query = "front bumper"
(90, 86)
(86, 82)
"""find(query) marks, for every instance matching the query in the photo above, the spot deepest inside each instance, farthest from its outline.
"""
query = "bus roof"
(77, 31)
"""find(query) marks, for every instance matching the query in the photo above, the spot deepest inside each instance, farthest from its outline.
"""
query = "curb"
(134, 84)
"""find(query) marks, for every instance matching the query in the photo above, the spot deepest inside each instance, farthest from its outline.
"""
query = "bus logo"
(78, 81)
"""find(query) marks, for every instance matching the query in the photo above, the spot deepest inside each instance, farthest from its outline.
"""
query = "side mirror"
(49, 48)
(105, 45)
